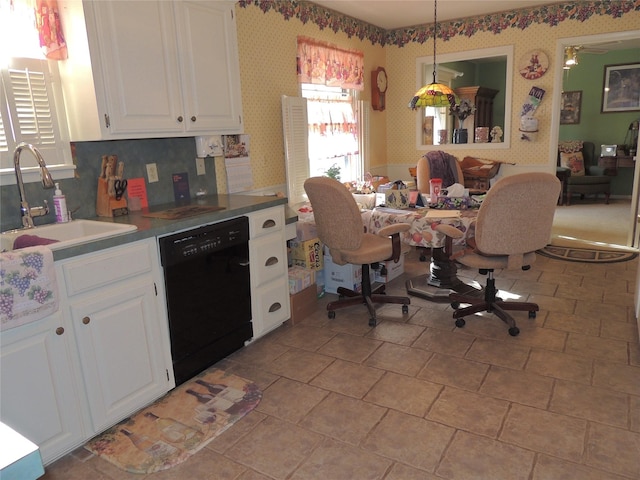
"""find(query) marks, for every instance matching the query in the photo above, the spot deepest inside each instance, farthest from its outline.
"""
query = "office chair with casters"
(513, 222)
(340, 228)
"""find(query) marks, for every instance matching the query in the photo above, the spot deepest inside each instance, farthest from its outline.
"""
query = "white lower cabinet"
(40, 398)
(104, 355)
(118, 339)
(269, 283)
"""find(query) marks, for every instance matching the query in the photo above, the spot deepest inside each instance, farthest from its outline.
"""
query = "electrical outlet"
(200, 168)
(152, 172)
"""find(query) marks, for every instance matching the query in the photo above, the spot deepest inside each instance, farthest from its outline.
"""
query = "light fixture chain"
(435, 36)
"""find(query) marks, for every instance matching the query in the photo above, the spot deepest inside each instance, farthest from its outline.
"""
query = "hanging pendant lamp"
(435, 94)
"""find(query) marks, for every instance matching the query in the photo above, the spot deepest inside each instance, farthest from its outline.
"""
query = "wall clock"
(378, 88)
(533, 64)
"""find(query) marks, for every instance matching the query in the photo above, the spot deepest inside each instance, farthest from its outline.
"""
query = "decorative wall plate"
(533, 64)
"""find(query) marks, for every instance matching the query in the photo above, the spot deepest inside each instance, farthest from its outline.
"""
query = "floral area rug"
(587, 255)
(179, 424)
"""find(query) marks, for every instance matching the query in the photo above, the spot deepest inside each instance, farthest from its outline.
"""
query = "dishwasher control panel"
(203, 240)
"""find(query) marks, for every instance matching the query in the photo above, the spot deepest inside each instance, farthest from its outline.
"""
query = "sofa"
(578, 167)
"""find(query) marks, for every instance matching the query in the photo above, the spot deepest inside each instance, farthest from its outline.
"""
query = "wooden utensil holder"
(107, 205)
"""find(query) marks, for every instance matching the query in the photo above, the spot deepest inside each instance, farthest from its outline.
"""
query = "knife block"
(106, 205)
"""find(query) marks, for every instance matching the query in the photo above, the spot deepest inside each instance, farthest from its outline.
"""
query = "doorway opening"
(589, 220)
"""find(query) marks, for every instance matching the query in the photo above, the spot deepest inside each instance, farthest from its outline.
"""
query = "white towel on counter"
(28, 286)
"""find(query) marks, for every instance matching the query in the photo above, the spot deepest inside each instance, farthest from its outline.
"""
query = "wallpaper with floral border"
(267, 48)
(495, 23)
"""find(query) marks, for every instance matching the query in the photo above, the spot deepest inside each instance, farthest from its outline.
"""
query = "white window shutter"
(31, 115)
(296, 145)
(364, 139)
(4, 147)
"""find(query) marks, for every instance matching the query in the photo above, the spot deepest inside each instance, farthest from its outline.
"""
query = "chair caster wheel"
(514, 331)
(423, 258)
(331, 314)
(405, 309)
(460, 322)
(455, 305)
(372, 322)
(532, 314)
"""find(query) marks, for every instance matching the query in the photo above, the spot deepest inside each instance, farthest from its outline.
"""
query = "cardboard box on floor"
(388, 270)
(307, 254)
(347, 276)
(303, 304)
(300, 278)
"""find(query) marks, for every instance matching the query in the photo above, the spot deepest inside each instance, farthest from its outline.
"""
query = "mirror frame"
(427, 61)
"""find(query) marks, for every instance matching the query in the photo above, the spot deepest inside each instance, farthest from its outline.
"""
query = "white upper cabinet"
(143, 69)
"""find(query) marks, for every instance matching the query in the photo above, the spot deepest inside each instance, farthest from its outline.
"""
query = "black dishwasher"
(206, 274)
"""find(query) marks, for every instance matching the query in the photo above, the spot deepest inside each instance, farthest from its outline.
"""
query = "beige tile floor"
(417, 398)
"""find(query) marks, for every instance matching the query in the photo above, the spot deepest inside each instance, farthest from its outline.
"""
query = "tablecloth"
(422, 232)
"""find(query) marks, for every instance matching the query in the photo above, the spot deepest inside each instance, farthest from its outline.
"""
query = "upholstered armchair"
(578, 164)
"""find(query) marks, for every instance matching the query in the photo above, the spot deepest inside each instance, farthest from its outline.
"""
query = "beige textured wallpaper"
(267, 47)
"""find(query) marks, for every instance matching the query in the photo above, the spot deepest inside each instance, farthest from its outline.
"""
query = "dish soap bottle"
(60, 204)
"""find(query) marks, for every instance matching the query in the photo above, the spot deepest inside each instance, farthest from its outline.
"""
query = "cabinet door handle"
(180, 119)
(86, 320)
(271, 261)
(275, 307)
(193, 119)
(59, 331)
(269, 223)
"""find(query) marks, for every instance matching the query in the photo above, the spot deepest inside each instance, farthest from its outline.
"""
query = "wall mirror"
(483, 76)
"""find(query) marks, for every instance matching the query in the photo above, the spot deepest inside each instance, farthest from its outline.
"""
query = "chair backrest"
(516, 216)
(336, 214)
(423, 172)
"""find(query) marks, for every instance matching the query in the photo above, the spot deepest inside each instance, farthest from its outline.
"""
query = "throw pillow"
(574, 162)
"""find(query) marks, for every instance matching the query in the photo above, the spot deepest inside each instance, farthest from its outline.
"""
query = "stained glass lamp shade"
(435, 94)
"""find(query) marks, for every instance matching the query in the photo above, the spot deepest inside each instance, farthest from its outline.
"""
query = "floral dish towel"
(28, 286)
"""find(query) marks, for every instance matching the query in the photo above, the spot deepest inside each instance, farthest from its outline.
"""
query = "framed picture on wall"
(570, 106)
(621, 92)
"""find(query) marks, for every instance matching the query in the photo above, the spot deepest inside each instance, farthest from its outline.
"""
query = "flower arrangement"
(462, 110)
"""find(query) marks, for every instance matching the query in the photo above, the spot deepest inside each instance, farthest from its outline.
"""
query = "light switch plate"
(152, 172)
(200, 168)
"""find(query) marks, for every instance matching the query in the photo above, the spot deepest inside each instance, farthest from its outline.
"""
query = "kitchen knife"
(120, 173)
(111, 170)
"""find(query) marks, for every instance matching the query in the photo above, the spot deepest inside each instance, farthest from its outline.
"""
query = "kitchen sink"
(68, 234)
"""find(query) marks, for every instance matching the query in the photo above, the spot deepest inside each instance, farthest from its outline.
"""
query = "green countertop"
(234, 206)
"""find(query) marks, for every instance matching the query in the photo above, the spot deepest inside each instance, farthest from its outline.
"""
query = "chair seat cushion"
(589, 180)
(373, 248)
(475, 260)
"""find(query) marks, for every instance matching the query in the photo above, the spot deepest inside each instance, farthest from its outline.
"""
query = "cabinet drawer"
(271, 307)
(264, 222)
(268, 259)
(97, 270)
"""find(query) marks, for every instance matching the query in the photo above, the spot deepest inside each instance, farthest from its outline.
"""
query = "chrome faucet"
(27, 212)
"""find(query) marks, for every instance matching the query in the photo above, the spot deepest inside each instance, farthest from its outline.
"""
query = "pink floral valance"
(50, 30)
(322, 63)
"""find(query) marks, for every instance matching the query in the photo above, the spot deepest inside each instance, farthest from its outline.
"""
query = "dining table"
(442, 277)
